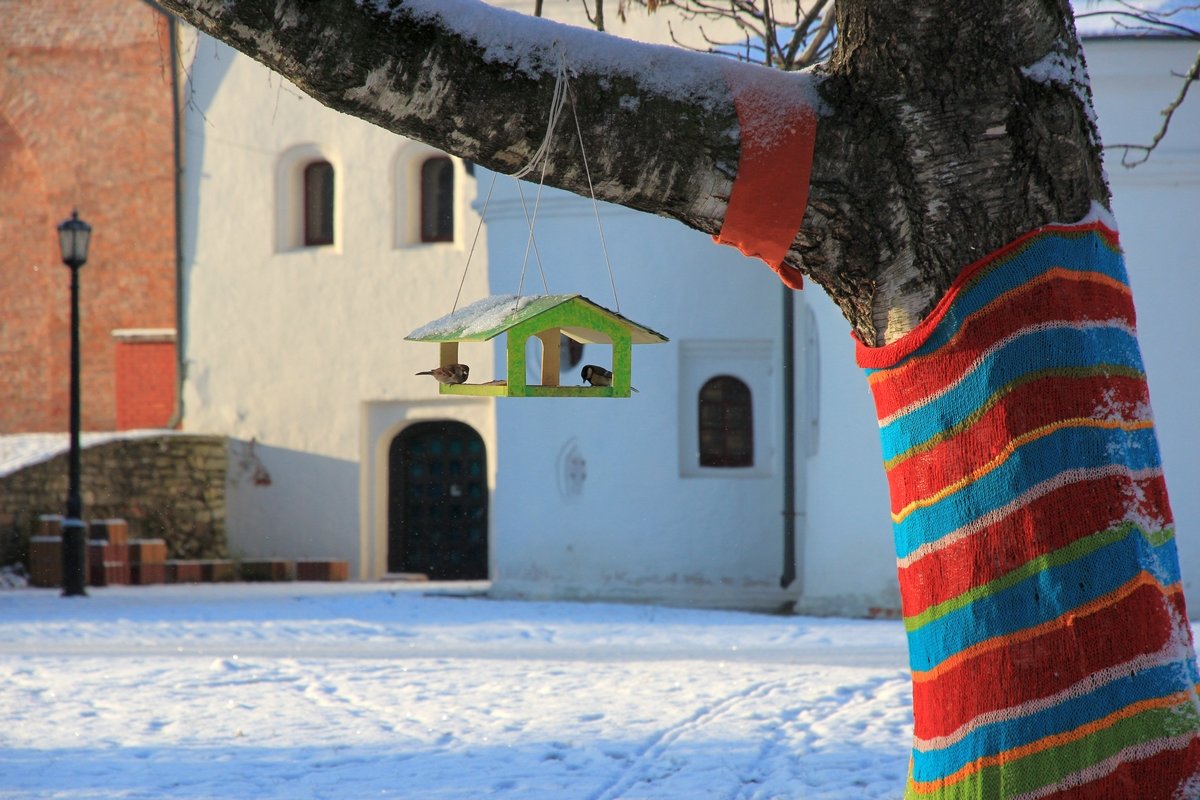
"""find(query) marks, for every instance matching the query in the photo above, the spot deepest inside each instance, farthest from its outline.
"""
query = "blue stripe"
(1030, 465)
(1087, 253)
(1044, 349)
(1042, 597)
(1067, 715)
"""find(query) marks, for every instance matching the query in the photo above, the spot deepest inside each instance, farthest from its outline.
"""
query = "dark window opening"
(318, 203)
(726, 423)
(437, 200)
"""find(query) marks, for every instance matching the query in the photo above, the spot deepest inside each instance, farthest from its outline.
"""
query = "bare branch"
(800, 31)
(1190, 77)
(821, 43)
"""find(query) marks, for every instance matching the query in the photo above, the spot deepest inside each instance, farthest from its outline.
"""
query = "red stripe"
(1162, 776)
(1034, 530)
(1057, 300)
(770, 190)
(1039, 403)
(1024, 671)
(890, 354)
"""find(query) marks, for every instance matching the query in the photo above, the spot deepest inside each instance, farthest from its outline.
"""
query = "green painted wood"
(574, 315)
(482, 390)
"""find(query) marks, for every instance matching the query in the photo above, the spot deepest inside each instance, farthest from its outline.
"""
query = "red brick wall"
(85, 122)
(145, 370)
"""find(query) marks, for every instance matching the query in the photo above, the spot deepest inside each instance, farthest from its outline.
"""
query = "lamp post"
(73, 237)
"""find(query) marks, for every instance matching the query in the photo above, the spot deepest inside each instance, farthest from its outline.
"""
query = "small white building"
(293, 343)
(312, 243)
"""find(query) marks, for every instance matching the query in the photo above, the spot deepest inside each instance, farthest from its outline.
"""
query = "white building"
(300, 349)
(305, 263)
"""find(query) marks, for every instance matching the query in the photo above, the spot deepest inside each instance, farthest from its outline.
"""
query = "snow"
(481, 316)
(309, 690)
(21, 450)
(537, 47)
(1059, 67)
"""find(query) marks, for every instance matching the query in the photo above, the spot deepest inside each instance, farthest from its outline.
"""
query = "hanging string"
(557, 101)
(595, 206)
(562, 93)
(478, 228)
(531, 241)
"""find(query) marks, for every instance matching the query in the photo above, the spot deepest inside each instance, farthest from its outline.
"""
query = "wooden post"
(551, 356)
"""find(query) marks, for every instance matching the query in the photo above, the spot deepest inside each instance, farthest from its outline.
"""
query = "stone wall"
(168, 487)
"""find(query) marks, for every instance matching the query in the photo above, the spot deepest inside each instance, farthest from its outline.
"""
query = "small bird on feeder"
(450, 374)
(597, 376)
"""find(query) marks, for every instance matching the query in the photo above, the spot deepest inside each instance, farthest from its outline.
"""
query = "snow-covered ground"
(364, 690)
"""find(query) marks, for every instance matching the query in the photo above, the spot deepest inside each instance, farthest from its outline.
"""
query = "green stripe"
(1050, 767)
(1104, 370)
(1065, 555)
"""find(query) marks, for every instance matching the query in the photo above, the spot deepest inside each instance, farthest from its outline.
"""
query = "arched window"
(437, 200)
(726, 423)
(318, 203)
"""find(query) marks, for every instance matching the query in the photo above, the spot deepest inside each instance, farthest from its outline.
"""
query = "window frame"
(755, 363)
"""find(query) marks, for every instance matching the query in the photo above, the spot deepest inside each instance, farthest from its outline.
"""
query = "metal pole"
(788, 375)
(74, 536)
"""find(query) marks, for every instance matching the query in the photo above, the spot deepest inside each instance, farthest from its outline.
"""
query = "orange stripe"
(1056, 740)
(1057, 273)
(1009, 448)
(889, 355)
(1143, 578)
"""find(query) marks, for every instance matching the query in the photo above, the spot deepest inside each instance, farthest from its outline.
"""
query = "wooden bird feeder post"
(549, 318)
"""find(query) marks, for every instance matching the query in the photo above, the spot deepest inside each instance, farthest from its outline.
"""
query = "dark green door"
(438, 501)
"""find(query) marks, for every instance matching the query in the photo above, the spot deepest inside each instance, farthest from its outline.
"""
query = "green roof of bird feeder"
(548, 317)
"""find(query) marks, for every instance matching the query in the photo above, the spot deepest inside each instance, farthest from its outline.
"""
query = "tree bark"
(936, 144)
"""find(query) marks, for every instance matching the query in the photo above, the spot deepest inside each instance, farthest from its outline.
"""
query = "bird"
(597, 376)
(451, 373)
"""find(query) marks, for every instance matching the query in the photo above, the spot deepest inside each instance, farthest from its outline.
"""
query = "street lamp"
(73, 237)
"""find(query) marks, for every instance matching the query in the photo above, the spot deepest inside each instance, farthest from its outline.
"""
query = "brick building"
(87, 121)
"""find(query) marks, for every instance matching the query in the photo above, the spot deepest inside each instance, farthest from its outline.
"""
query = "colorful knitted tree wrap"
(1050, 650)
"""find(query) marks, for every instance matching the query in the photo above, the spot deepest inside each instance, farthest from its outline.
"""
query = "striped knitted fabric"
(1050, 650)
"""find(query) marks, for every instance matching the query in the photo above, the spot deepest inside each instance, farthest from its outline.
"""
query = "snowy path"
(374, 690)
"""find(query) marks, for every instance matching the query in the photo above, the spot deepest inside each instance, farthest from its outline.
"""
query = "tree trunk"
(1049, 643)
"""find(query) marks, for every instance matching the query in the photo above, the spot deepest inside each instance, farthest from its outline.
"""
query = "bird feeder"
(549, 318)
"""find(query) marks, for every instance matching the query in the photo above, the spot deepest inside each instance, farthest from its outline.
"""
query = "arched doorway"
(438, 501)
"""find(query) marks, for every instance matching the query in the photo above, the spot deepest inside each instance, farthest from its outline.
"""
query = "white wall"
(591, 500)
(1157, 206)
(292, 346)
(849, 557)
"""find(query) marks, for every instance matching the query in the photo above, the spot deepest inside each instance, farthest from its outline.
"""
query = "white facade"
(606, 498)
(299, 349)
(1157, 206)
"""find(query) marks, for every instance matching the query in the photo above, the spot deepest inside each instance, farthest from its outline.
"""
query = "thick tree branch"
(659, 123)
(949, 129)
